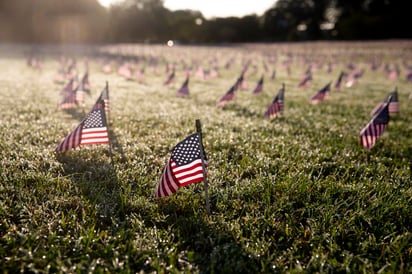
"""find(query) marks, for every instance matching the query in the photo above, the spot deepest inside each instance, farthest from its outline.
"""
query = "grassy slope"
(297, 193)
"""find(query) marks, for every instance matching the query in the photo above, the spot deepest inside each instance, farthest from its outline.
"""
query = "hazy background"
(87, 21)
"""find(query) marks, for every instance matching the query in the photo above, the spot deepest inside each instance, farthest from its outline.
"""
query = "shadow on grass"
(92, 172)
(197, 239)
(242, 111)
(77, 113)
(117, 148)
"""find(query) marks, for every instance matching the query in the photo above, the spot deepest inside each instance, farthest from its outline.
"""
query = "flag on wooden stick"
(184, 89)
(306, 80)
(229, 96)
(70, 101)
(321, 95)
(375, 128)
(92, 130)
(85, 83)
(338, 83)
(259, 87)
(103, 99)
(68, 88)
(277, 105)
(170, 79)
(184, 166)
(393, 101)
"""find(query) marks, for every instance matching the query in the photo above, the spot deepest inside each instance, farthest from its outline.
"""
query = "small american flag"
(259, 87)
(229, 96)
(104, 96)
(321, 95)
(79, 95)
(273, 76)
(340, 79)
(92, 130)
(183, 168)
(306, 80)
(84, 83)
(170, 78)
(276, 107)
(393, 101)
(374, 129)
(184, 89)
(68, 88)
(70, 101)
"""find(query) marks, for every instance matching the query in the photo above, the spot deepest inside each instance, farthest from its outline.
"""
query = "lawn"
(294, 194)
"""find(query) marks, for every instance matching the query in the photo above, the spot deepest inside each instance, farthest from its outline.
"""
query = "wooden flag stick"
(108, 114)
(202, 157)
(107, 127)
(110, 144)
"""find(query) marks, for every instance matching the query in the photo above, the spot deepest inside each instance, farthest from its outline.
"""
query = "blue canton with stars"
(94, 119)
(187, 151)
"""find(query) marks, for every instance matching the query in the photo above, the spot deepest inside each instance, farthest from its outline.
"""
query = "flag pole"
(107, 126)
(202, 157)
(107, 88)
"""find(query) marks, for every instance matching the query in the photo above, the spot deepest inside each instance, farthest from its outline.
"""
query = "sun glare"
(108, 3)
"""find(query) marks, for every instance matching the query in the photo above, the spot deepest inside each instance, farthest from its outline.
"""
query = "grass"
(295, 194)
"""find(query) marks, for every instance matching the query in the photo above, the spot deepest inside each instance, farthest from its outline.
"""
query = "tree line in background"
(86, 21)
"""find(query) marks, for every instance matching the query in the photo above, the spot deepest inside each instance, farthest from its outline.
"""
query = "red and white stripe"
(393, 107)
(320, 96)
(71, 141)
(94, 136)
(274, 110)
(175, 177)
(371, 133)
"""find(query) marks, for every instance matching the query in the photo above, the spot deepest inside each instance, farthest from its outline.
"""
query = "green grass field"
(295, 194)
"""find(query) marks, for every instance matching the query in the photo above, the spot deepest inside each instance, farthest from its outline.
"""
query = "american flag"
(306, 80)
(184, 89)
(68, 88)
(229, 96)
(393, 101)
(84, 83)
(107, 68)
(354, 78)
(321, 95)
(374, 129)
(70, 101)
(239, 81)
(277, 104)
(183, 168)
(92, 130)
(125, 71)
(340, 79)
(170, 78)
(79, 94)
(259, 87)
(273, 76)
(104, 96)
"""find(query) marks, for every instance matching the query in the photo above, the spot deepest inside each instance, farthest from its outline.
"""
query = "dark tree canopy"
(149, 21)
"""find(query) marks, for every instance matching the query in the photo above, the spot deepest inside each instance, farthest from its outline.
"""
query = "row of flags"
(187, 162)
(92, 129)
(74, 92)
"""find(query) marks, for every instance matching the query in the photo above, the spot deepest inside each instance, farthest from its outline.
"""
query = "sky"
(221, 8)
(215, 8)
